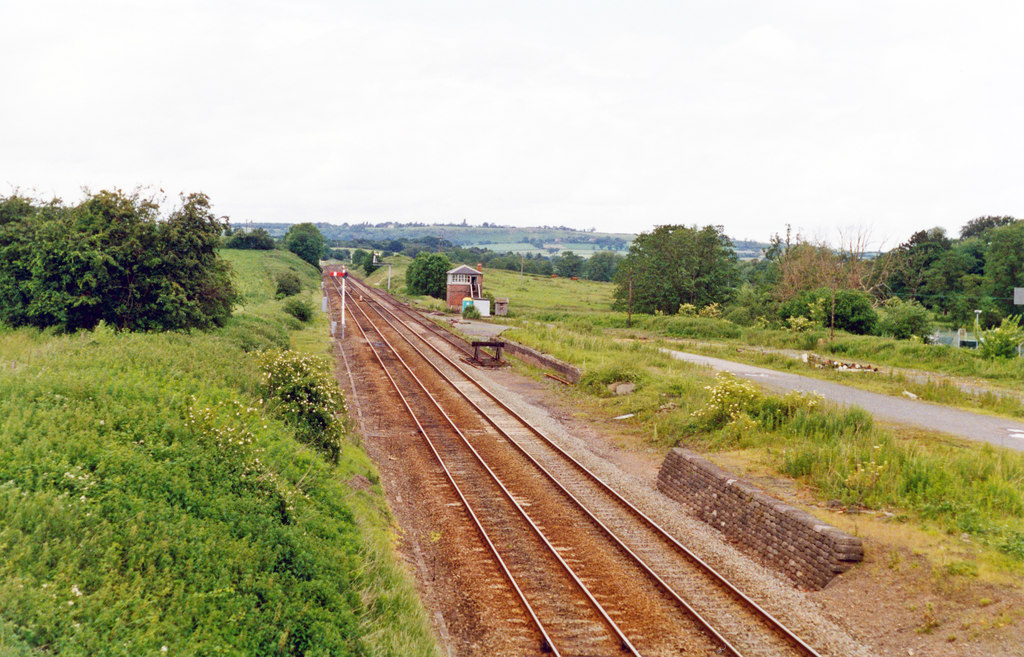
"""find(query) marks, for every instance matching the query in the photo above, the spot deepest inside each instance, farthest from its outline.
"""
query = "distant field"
(528, 294)
(525, 248)
(531, 294)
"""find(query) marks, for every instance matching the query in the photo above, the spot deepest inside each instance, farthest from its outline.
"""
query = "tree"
(254, 239)
(112, 259)
(370, 263)
(912, 260)
(976, 227)
(568, 264)
(428, 274)
(305, 241)
(805, 266)
(359, 257)
(601, 266)
(673, 265)
(1004, 264)
(848, 310)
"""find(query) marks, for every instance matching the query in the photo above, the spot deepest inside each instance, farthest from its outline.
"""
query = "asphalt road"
(963, 424)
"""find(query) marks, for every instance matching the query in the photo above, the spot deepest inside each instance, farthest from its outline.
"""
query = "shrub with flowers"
(712, 310)
(730, 399)
(303, 392)
(1003, 340)
(735, 402)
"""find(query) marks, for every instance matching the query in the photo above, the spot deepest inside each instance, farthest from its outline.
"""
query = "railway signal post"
(343, 274)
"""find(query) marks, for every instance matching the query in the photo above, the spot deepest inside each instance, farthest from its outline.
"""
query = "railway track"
(567, 542)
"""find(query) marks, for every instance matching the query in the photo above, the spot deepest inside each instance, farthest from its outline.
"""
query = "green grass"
(148, 498)
(956, 487)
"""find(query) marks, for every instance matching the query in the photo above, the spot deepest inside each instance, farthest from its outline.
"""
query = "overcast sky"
(892, 116)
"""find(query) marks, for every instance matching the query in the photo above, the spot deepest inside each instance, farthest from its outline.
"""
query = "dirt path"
(934, 417)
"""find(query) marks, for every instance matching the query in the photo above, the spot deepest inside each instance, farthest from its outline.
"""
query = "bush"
(730, 399)
(853, 311)
(470, 312)
(300, 309)
(903, 319)
(288, 283)
(712, 311)
(1004, 340)
(258, 239)
(305, 395)
(733, 400)
(799, 324)
(428, 275)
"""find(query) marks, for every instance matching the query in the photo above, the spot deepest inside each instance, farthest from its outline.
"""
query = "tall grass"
(149, 499)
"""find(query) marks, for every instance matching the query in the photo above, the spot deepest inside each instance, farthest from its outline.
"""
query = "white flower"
(75, 590)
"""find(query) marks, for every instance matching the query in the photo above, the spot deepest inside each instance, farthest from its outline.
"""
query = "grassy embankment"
(148, 499)
(934, 484)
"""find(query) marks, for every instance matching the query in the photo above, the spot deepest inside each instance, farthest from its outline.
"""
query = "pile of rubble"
(817, 361)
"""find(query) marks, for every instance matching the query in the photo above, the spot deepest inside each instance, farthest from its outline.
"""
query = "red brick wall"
(456, 293)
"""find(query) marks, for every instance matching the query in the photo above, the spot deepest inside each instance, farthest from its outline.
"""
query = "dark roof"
(463, 269)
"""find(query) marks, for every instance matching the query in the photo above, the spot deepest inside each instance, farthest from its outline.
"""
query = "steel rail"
(548, 643)
(715, 575)
(623, 639)
(703, 622)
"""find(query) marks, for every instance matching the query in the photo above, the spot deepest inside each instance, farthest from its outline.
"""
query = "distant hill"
(546, 240)
(540, 239)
